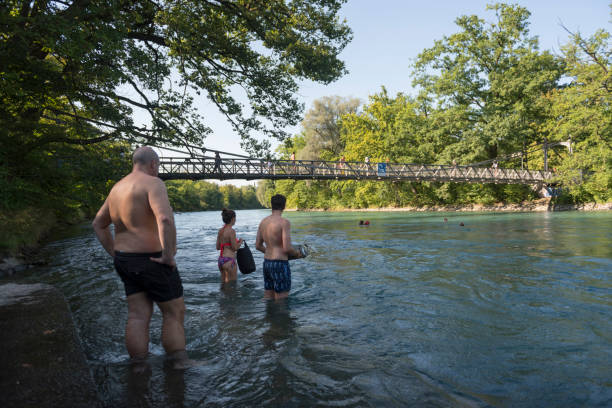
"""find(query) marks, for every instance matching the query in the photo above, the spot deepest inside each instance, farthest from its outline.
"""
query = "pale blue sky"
(389, 34)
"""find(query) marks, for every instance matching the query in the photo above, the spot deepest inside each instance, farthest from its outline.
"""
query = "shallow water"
(510, 310)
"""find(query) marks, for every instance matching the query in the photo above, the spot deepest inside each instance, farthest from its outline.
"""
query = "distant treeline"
(187, 195)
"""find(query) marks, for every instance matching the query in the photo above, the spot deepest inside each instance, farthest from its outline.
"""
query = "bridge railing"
(206, 168)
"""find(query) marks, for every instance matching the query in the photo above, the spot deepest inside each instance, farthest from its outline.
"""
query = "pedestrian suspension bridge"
(211, 165)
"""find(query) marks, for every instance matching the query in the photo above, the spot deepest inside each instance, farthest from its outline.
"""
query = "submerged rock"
(42, 361)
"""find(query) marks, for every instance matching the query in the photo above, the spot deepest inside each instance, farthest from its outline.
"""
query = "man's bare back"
(274, 240)
(138, 207)
(131, 213)
(274, 231)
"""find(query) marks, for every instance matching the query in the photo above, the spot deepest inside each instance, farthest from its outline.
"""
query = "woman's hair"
(227, 215)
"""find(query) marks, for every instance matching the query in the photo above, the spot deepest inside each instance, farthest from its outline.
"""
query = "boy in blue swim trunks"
(274, 240)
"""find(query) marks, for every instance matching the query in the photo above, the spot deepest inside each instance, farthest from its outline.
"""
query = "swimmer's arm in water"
(259, 242)
(158, 200)
(101, 226)
(287, 247)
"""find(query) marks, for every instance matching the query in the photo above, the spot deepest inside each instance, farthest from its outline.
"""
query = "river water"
(510, 310)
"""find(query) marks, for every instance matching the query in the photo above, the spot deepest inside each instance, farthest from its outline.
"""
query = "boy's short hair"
(278, 202)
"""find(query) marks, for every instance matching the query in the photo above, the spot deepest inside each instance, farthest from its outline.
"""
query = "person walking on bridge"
(143, 248)
(292, 158)
(217, 168)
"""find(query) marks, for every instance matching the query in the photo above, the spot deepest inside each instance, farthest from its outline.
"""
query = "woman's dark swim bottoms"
(140, 274)
(277, 275)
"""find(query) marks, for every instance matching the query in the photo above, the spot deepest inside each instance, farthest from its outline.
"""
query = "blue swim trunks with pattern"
(277, 275)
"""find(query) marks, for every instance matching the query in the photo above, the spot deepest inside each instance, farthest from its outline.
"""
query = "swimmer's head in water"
(278, 202)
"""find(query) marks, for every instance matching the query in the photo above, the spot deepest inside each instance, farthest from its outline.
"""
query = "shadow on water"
(143, 390)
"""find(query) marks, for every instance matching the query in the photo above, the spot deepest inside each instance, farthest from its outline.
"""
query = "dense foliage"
(78, 78)
(78, 71)
(485, 93)
(187, 195)
(582, 112)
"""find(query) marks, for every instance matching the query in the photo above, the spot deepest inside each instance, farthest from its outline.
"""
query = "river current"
(509, 310)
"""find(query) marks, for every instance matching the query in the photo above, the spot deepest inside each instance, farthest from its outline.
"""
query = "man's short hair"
(278, 202)
(144, 155)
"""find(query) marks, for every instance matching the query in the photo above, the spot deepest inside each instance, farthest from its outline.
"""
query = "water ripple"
(511, 310)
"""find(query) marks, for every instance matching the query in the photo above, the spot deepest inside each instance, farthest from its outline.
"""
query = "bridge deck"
(200, 168)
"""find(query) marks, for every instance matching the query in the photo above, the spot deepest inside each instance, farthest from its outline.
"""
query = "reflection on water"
(142, 388)
(510, 310)
(280, 323)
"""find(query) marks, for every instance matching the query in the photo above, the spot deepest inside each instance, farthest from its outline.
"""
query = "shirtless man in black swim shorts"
(143, 249)
(274, 240)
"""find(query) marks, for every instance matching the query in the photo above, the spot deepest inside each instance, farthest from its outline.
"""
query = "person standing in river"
(143, 249)
(227, 244)
(274, 240)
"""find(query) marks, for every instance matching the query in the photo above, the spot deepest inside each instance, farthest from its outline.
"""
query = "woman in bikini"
(227, 244)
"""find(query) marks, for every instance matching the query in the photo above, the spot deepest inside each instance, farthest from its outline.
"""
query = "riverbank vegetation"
(53, 185)
(82, 83)
(486, 94)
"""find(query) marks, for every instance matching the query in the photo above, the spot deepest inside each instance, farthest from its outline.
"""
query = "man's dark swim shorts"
(140, 274)
(277, 275)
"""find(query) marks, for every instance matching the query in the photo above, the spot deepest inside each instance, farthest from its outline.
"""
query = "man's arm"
(158, 200)
(259, 242)
(287, 247)
(101, 226)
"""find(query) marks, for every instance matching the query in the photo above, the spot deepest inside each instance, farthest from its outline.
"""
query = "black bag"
(245, 260)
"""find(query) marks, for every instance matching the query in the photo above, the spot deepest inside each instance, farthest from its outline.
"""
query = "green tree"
(483, 84)
(321, 127)
(76, 71)
(76, 76)
(389, 128)
(581, 112)
(486, 91)
(264, 193)
(187, 195)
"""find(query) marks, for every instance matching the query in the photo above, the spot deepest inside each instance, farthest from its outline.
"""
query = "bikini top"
(229, 244)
